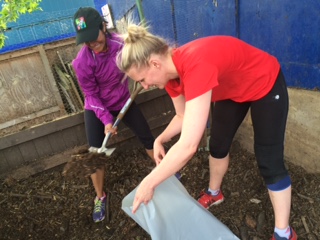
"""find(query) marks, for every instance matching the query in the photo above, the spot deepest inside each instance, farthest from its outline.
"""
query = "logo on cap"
(80, 23)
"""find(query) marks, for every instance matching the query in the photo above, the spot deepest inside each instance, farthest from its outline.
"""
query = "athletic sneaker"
(293, 236)
(99, 210)
(207, 200)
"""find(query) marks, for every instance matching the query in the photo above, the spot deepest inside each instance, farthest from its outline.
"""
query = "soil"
(50, 206)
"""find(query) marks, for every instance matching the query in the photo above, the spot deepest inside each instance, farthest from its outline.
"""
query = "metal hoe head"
(103, 150)
(107, 151)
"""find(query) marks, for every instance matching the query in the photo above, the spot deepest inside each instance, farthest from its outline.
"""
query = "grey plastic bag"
(173, 214)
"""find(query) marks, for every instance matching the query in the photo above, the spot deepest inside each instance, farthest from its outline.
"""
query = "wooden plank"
(43, 146)
(51, 142)
(31, 50)
(168, 103)
(160, 121)
(59, 44)
(28, 117)
(56, 142)
(69, 137)
(28, 151)
(4, 166)
(52, 81)
(149, 95)
(81, 134)
(150, 111)
(20, 53)
(72, 131)
(41, 130)
(68, 121)
(13, 157)
(41, 165)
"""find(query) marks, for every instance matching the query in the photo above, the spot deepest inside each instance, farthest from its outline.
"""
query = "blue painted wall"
(290, 30)
(52, 24)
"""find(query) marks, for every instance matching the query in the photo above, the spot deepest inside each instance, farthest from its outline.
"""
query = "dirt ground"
(49, 206)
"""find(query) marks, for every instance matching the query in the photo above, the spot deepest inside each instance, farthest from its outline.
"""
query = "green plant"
(11, 11)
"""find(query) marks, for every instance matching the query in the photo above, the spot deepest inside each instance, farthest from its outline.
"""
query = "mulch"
(53, 205)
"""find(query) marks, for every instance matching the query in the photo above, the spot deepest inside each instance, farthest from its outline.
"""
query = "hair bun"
(135, 32)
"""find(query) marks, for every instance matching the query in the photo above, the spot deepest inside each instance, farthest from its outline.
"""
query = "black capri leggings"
(133, 119)
(269, 116)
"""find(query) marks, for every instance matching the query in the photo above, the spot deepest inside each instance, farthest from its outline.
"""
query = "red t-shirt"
(230, 67)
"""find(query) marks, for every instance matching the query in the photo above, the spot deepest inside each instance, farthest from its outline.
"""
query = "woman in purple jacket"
(106, 91)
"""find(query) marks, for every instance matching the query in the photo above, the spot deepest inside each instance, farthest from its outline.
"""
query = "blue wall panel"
(290, 30)
(14, 37)
(119, 8)
(98, 4)
(184, 21)
(27, 34)
(159, 15)
(198, 18)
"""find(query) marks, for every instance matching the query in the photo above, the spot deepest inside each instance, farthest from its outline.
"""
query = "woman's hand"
(159, 151)
(143, 195)
(109, 129)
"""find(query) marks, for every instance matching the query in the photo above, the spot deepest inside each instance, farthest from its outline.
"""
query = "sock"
(104, 195)
(214, 192)
(283, 232)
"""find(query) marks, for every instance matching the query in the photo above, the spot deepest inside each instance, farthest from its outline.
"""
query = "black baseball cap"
(87, 22)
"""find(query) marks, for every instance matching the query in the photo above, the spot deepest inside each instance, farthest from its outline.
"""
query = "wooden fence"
(41, 105)
(29, 86)
(45, 140)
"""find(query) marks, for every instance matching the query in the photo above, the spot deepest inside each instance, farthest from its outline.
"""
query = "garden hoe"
(103, 148)
(86, 162)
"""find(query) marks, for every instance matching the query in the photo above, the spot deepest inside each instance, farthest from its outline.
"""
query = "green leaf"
(2, 40)
(11, 11)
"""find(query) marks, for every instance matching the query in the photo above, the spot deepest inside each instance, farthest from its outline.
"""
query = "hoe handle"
(120, 116)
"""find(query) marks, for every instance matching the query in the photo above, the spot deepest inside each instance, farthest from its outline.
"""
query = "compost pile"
(84, 163)
(51, 206)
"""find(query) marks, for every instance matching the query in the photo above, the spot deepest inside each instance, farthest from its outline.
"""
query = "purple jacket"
(100, 79)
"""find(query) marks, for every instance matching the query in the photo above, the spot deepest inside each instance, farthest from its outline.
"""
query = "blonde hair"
(139, 44)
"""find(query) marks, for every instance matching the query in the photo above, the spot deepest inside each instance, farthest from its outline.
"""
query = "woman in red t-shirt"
(233, 75)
